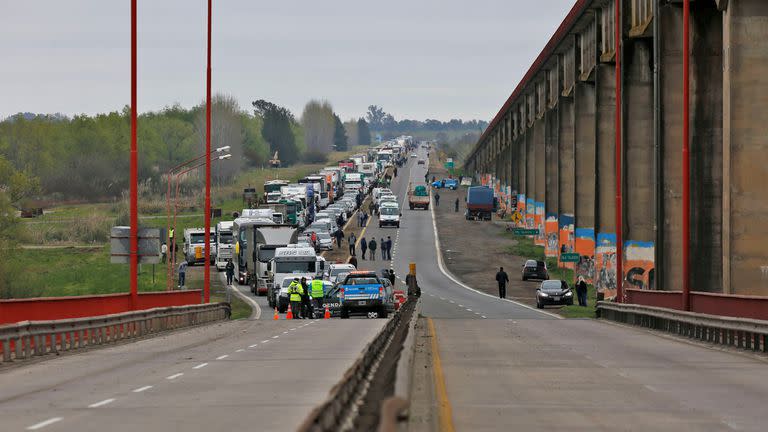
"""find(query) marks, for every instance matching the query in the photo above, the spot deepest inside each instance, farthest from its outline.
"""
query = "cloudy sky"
(417, 58)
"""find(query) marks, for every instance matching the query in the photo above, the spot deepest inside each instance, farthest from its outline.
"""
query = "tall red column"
(134, 246)
(686, 160)
(619, 216)
(207, 281)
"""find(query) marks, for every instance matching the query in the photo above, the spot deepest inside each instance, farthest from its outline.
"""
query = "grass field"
(525, 247)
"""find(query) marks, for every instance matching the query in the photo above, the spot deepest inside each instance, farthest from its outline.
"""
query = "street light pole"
(207, 281)
(134, 241)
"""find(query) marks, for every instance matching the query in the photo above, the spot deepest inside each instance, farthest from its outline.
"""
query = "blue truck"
(363, 292)
(480, 203)
(449, 183)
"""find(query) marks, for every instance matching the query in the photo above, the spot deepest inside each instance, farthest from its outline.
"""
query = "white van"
(389, 214)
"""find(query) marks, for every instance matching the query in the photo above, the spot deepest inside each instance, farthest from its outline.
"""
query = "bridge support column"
(605, 215)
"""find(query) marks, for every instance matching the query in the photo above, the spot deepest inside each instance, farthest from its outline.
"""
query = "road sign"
(517, 217)
(569, 257)
(449, 165)
(149, 245)
(525, 231)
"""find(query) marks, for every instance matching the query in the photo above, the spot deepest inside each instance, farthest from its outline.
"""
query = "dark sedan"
(533, 269)
(554, 292)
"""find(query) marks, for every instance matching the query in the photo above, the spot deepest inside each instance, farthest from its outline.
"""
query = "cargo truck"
(418, 197)
(479, 203)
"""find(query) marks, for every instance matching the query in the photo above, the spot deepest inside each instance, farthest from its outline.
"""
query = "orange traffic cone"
(327, 313)
(277, 316)
(289, 315)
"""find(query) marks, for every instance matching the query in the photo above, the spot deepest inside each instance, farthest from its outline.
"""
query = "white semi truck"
(268, 239)
(292, 261)
(225, 243)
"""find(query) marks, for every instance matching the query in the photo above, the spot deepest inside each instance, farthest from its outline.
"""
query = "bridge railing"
(742, 333)
(28, 339)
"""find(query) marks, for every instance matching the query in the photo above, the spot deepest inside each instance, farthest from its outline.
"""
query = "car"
(553, 292)
(421, 162)
(324, 241)
(533, 269)
(414, 155)
(364, 292)
(334, 270)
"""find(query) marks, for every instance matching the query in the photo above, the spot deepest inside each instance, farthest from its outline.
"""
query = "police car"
(362, 292)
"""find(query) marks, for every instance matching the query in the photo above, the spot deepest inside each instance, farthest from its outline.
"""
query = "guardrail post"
(6, 350)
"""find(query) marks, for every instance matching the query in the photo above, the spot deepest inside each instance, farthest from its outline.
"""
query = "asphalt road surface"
(241, 375)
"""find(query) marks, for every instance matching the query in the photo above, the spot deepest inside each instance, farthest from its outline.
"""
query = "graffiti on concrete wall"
(605, 264)
(550, 225)
(639, 270)
(584, 245)
(566, 239)
(521, 209)
(539, 224)
(530, 212)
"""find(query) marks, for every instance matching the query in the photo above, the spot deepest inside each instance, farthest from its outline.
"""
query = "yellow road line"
(445, 414)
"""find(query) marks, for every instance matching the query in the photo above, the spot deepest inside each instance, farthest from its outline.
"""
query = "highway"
(503, 366)
(263, 375)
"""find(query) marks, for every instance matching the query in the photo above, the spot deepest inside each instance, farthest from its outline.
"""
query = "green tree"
(363, 133)
(340, 141)
(319, 126)
(277, 130)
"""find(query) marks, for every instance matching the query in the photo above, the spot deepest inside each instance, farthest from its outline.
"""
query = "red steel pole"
(619, 218)
(169, 240)
(686, 161)
(207, 281)
(134, 246)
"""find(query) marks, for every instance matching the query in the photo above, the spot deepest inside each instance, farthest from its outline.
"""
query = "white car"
(334, 270)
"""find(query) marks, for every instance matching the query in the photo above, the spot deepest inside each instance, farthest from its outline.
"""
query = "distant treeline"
(388, 127)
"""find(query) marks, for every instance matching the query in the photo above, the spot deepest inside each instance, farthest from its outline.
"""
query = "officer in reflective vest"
(316, 292)
(295, 291)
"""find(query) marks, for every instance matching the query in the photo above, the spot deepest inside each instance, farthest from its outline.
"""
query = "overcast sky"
(418, 59)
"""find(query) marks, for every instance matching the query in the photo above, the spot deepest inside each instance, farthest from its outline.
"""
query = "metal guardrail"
(27, 339)
(339, 411)
(742, 333)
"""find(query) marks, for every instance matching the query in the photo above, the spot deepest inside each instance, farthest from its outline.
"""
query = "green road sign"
(569, 257)
(449, 165)
(525, 231)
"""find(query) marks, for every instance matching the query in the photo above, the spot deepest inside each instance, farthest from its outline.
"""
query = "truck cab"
(294, 260)
(194, 245)
(225, 243)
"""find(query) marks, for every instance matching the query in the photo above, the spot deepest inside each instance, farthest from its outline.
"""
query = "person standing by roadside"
(363, 246)
(502, 279)
(383, 244)
(372, 248)
(352, 240)
(456, 205)
(339, 237)
(317, 296)
(359, 219)
(581, 292)
(306, 306)
(164, 252)
(294, 293)
(391, 277)
(389, 248)
(437, 199)
(182, 273)
(230, 269)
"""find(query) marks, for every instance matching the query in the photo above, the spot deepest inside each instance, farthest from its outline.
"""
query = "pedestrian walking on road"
(182, 273)
(372, 248)
(363, 246)
(294, 292)
(359, 219)
(456, 205)
(391, 277)
(352, 240)
(437, 199)
(502, 279)
(339, 237)
(230, 269)
(581, 292)
(164, 252)
(383, 249)
(389, 248)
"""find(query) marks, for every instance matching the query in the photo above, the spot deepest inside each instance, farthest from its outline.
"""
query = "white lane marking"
(256, 307)
(253, 346)
(442, 298)
(483, 316)
(200, 366)
(448, 274)
(469, 310)
(293, 329)
(285, 332)
(265, 341)
(461, 305)
(477, 313)
(174, 376)
(222, 357)
(431, 295)
(275, 337)
(101, 403)
(651, 388)
(45, 423)
(452, 301)
(240, 350)
(141, 389)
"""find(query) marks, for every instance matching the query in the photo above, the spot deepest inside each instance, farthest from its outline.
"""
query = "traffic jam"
(303, 245)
